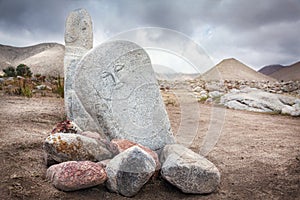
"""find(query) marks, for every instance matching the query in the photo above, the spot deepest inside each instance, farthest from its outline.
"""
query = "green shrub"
(26, 91)
(23, 70)
(202, 99)
(10, 71)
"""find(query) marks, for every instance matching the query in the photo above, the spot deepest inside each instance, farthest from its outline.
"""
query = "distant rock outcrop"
(252, 99)
(45, 58)
(232, 69)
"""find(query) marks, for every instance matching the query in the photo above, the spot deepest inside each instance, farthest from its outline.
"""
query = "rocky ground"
(257, 154)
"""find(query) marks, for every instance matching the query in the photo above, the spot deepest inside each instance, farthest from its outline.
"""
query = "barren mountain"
(45, 58)
(267, 70)
(232, 69)
(288, 73)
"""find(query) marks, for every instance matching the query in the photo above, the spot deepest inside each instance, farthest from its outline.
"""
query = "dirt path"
(257, 154)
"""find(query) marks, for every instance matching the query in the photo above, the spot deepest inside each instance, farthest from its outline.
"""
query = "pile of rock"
(288, 87)
(79, 162)
(263, 96)
(118, 122)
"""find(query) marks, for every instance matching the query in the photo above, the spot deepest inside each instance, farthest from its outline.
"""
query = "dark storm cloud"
(266, 30)
(32, 14)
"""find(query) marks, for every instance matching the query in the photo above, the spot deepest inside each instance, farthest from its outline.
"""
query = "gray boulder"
(72, 175)
(188, 171)
(253, 99)
(129, 171)
(116, 85)
(62, 147)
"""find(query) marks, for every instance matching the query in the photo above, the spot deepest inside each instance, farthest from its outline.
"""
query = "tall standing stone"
(78, 41)
(116, 85)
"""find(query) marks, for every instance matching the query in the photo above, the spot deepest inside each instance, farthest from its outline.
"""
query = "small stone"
(122, 144)
(197, 89)
(188, 171)
(203, 92)
(63, 147)
(66, 126)
(129, 171)
(215, 94)
(72, 175)
(41, 87)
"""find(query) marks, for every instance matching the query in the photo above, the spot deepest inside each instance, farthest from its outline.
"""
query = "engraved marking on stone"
(114, 75)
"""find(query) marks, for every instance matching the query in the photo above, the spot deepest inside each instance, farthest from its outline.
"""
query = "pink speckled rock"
(122, 144)
(73, 175)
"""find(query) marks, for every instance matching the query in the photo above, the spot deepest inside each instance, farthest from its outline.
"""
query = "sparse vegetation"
(23, 70)
(24, 89)
(39, 86)
(202, 99)
(59, 87)
(9, 72)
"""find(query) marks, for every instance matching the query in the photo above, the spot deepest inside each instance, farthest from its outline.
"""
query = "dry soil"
(257, 154)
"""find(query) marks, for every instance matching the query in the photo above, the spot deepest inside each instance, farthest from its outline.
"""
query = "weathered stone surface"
(122, 144)
(48, 160)
(104, 163)
(293, 110)
(252, 99)
(72, 175)
(188, 171)
(215, 94)
(129, 171)
(91, 134)
(116, 85)
(63, 147)
(78, 41)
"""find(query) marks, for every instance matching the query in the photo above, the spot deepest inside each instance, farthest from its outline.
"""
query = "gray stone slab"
(116, 85)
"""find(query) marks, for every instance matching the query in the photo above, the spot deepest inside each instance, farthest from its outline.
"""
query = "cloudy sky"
(256, 32)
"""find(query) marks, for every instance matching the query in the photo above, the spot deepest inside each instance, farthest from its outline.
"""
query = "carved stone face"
(116, 85)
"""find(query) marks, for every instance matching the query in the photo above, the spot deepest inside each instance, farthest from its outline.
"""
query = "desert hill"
(267, 70)
(285, 73)
(45, 58)
(167, 73)
(232, 69)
